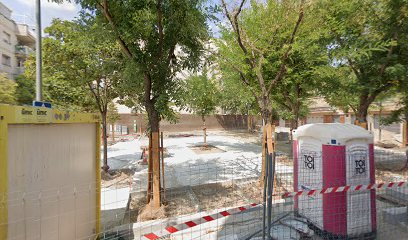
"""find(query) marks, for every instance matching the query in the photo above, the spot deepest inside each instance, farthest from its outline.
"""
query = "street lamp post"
(38, 79)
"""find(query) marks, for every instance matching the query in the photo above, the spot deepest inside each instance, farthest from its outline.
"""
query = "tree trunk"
(294, 123)
(292, 127)
(249, 123)
(105, 166)
(154, 152)
(362, 113)
(405, 133)
(204, 131)
(113, 132)
(266, 113)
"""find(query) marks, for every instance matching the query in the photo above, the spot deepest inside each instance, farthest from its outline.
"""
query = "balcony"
(23, 51)
(19, 70)
(25, 36)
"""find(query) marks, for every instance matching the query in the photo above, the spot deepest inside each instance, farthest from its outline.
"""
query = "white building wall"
(10, 33)
(8, 42)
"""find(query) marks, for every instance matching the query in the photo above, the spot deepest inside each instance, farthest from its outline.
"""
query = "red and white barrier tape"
(356, 188)
(182, 226)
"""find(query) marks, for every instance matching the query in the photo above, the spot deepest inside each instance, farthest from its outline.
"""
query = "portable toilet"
(335, 155)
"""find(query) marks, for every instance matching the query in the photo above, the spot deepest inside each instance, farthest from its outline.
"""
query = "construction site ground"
(198, 184)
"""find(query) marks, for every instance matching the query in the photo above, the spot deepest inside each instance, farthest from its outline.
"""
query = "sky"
(24, 11)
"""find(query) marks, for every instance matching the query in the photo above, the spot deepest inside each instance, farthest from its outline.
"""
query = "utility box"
(335, 155)
(49, 174)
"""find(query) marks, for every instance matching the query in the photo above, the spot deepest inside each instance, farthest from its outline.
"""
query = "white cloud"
(46, 5)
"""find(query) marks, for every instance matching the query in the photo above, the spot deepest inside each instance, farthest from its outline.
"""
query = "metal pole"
(265, 194)
(379, 122)
(38, 79)
(271, 166)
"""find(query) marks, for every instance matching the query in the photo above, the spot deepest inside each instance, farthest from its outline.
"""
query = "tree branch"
(234, 22)
(353, 108)
(147, 86)
(245, 80)
(379, 90)
(96, 97)
(354, 68)
(109, 17)
(171, 54)
(282, 68)
(160, 27)
(389, 54)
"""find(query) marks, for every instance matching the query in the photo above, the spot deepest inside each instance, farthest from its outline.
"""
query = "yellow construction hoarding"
(49, 173)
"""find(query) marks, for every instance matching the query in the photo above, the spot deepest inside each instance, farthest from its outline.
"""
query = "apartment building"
(16, 43)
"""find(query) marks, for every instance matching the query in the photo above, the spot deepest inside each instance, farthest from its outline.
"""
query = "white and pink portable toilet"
(335, 155)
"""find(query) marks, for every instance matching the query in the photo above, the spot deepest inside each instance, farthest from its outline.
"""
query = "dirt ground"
(202, 198)
(201, 149)
(117, 178)
(391, 176)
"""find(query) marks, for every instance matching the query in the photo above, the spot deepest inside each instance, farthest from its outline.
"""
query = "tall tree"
(82, 66)
(25, 91)
(159, 38)
(201, 96)
(367, 46)
(257, 45)
(113, 116)
(235, 99)
(300, 83)
(7, 90)
(58, 88)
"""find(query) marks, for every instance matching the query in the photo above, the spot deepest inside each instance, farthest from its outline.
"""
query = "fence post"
(162, 165)
(405, 133)
(269, 150)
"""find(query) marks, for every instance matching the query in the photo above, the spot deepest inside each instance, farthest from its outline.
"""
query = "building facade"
(322, 112)
(17, 42)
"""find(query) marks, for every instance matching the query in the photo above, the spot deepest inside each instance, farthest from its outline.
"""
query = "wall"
(51, 181)
(8, 26)
(188, 122)
(314, 119)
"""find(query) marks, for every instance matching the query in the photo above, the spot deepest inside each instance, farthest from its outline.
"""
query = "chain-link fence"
(214, 192)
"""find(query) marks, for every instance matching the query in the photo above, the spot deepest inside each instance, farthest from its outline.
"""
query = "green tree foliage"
(58, 89)
(235, 98)
(201, 95)
(113, 114)
(401, 97)
(300, 83)
(159, 38)
(82, 67)
(112, 117)
(25, 91)
(257, 44)
(7, 90)
(368, 50)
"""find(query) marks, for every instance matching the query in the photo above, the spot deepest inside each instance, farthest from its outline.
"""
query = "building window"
(7, 38)
(20, 63)
(6, 60)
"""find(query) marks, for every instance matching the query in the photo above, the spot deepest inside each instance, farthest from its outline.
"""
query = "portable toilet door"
(360, 170)
(307, 176)
(335, 155)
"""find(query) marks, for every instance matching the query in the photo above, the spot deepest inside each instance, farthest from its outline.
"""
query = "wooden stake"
(149, 171)
(361, 124)
(405, 134)
(268, 146)
(113, 132)
(156, 170)
(162, 166)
